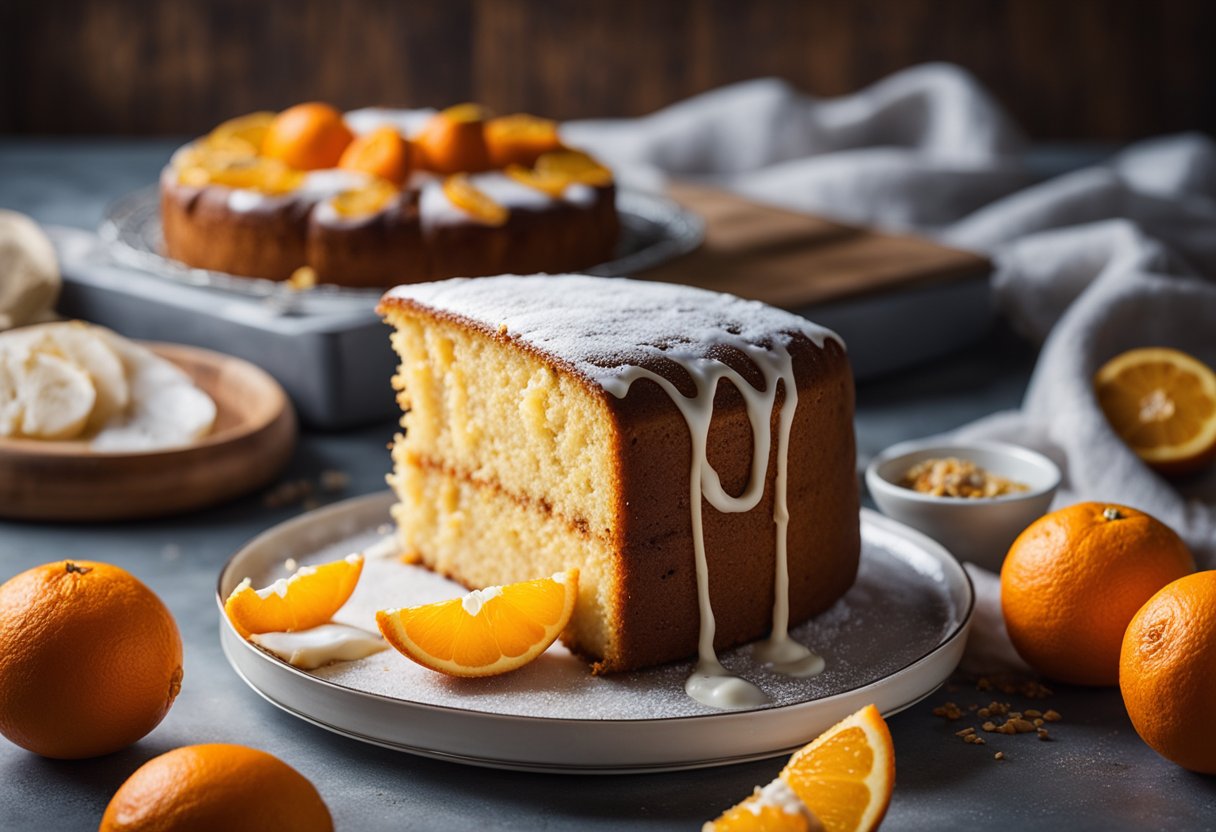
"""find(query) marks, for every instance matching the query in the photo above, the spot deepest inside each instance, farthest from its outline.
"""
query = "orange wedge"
(1162, 403)
(307, 599)
(575, 166)
(462, 193)
(846, 774)
(520, 139)
(487, 632)
(772, 809)
(553, 184)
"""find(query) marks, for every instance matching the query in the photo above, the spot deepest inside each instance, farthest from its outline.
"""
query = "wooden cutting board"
(795, 260)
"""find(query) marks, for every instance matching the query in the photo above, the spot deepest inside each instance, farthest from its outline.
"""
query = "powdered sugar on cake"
(602, 326)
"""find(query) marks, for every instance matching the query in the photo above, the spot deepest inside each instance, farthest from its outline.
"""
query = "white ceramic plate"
(894, 637)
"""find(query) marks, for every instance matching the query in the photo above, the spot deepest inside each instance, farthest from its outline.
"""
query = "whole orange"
(90, 659)
(307, 136)
(1074, 578)
(1167, 672)
(216, 788)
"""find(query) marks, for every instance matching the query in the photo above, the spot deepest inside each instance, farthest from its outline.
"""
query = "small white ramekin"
(976, 530)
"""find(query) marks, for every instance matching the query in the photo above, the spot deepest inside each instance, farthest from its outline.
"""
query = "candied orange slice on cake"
(382, 152)
(265, 175)
(454, 141)
(1162, 403)
(363, 202)
(553, 184)
(248, 131)
(576, 166)
(307, 599)
(462, 193)
(520, 139)
(845, 775)
(307, 136)
(488, 631)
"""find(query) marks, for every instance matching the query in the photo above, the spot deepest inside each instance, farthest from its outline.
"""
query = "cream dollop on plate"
(71, 380)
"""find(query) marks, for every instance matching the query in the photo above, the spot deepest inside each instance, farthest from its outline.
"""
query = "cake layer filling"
(484, 536)
(504, 416)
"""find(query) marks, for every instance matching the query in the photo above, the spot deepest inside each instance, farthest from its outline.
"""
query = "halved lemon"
(488, 631)
(845, 775)
(1162, 403)
(307, 599)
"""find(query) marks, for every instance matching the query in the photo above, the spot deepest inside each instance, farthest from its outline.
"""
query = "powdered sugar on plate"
(899, 610)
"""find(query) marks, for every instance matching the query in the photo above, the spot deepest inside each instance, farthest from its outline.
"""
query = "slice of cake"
(642, 432)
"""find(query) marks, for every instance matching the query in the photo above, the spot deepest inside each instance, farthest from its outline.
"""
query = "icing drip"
(710, 683)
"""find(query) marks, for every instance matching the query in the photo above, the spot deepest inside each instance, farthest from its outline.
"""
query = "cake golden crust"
(651, 595)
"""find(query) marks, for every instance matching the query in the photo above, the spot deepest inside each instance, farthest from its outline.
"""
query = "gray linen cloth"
(1092, 263)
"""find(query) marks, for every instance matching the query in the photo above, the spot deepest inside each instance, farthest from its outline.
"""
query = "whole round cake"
(379, 197)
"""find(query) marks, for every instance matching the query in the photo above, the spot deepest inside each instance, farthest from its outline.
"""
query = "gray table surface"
(1096, 774)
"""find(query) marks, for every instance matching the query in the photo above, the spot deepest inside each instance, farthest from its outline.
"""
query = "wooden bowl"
(252, 439)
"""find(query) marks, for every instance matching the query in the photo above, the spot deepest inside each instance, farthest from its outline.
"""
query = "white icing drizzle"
(310, 649)
(328, 183)
(244, 200)
(407, 122)
(579, 195)
(710, 683)
(510, 193)
(584, 321)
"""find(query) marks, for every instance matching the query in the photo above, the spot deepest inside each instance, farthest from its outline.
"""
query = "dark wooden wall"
(1067, 69)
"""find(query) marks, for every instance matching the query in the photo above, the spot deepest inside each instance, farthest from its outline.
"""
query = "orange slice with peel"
(775, 808)
(846, 774)
(520, 139)
(462, 193)
(365, 201)
(1162, 403)
(488, 631)
(551, 183)
(576, 166)
(309, 598)
(265, 175)
(382, 152)
(248, 130)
